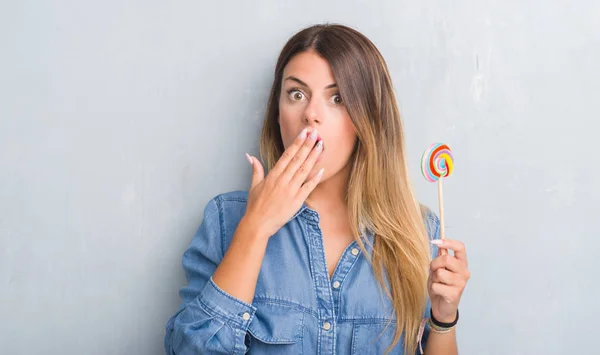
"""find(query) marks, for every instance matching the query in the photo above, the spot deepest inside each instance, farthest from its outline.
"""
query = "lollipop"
(437, 163)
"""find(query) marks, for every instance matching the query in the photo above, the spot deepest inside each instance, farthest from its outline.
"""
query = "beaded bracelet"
(436, 329)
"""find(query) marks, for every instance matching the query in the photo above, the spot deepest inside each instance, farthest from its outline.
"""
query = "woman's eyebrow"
(293, 78)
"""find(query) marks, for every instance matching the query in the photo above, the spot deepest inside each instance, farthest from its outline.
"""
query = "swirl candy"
(437, 162)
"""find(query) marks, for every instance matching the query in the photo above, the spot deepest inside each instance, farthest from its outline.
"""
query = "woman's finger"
(298, 160)
(310, 185)
(460, 252)
(308, 165)
(289, 154)
(258, 172)
(449, 262)
(447, 278)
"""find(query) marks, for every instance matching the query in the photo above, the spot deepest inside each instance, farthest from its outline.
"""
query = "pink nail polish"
(249, 159)
(320, 173)
(437, 241)
(302, 134)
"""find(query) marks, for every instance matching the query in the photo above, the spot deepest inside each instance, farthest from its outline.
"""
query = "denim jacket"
(297, 308)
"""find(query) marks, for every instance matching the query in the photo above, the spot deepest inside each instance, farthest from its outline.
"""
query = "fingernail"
(320, 173)
(314, 134)
(319, 145)
(437, 241)
(249, 159)
(302, 134)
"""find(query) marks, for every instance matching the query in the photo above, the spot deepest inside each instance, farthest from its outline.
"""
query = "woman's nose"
(312, 113)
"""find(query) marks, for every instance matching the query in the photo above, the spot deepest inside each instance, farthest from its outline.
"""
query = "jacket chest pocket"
(276, 329)
(375, 338)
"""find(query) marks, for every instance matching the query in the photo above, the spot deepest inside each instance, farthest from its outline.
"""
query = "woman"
(330, 252)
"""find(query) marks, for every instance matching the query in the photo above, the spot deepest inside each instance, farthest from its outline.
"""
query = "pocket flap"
(276, 324)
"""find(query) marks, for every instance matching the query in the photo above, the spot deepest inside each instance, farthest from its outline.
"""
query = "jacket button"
(336, 284)
(326, 326)
(246, 316)
(354, 251)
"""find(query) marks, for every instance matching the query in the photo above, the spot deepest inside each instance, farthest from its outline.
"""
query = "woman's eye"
(337, 99)
(296, 95)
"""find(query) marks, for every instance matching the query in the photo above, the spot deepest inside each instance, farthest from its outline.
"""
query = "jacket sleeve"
(208, 321)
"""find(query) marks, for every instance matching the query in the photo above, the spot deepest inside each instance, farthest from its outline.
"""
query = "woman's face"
(310, 99)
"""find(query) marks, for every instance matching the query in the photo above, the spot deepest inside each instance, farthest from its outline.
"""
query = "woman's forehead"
(309, 68)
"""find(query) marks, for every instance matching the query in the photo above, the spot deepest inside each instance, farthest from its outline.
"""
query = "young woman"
(330, 252)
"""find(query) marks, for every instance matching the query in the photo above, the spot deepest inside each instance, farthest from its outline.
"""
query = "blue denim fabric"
(297, 308)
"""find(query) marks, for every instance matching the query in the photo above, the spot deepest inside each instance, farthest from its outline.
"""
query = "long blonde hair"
(380, 198)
